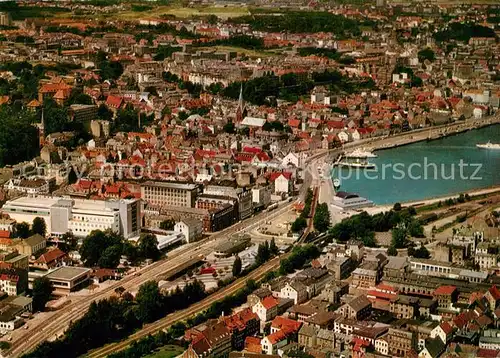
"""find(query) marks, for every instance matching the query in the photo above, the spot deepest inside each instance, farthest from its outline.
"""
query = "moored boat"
(489, 145)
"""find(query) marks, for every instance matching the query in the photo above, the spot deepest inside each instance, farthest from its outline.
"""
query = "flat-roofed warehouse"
(67, 279)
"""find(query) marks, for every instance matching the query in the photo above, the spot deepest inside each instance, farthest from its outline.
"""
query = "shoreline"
(428, 201)
(442, 134)
(420, 135)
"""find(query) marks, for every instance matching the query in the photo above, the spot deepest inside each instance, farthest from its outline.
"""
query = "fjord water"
(427, 169)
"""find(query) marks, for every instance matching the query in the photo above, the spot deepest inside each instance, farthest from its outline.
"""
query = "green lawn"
(169, 351)
(186, 12)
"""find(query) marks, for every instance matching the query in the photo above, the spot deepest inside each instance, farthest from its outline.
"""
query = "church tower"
(41, 131)
(241, 110)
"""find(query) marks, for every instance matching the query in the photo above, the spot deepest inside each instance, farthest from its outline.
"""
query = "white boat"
(360, 153)
(489, 145)
(357, 165)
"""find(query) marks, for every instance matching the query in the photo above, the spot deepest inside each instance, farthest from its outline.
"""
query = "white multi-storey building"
(80, 216)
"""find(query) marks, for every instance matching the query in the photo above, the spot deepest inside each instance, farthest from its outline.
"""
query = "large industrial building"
(169, 194)
(79, 216)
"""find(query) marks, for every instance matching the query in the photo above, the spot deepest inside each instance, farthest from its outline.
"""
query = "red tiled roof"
(335, 124)
(114, 101)
(252, 344)
(12, 278)
(276, 337)
(263, 157)
(487, 353)
(240, 320)
(286, 324)
(379, 294)
(294, 123)
(269, 302)
(276, 175)
(4, 234)
(446, 327)
(444, 290)
(51, 256)
(254, 150)
(494, 292)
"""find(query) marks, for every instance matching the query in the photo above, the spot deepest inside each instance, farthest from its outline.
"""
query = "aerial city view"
(250, 178)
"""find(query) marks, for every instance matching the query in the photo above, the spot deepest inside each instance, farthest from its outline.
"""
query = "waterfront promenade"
(327, 192)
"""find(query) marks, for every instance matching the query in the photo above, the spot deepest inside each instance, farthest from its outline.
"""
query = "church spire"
(240, 110)
(41, 130)
(240, 100)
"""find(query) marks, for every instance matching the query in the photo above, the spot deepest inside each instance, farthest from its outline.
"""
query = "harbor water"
(423, 170)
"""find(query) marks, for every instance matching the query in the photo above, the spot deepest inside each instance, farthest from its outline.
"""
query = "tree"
(110, 257)
(212, 19)
(392, 251)
(104, 113)
(322, 217)
(127, 119)
(415, 229)
(149, 301)
(299, 224)
(397, 207)
(426, 54)
(72, 176)
(399, 238)
(70, 241)
(273, 248)
(262, 253)
(39, 226)
(110, 70)
(421, 253)
(182, 115)
(237, 266)
(148, 247)
(22, 230)
(229, 127)
(42, 290)
(16, 126)
(95, 245)
(82, 98)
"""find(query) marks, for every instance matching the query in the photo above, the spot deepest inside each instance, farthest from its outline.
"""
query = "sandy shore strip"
(417, 203)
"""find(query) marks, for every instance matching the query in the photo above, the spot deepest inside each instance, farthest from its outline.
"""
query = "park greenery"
(105, 249)
(16, 127)
(303, 22)
(363, 227)
(290, 86)
(463, 32)
(41, 293)
(24, 230)
(299, 256)
(24, 12)
(426, 54)
(193, 89)
(415, 81)
(322, 218)
(301, 222)
(242, 41)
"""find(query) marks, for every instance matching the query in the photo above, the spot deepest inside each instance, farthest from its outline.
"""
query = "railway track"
(55, 325)
(192, 310)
